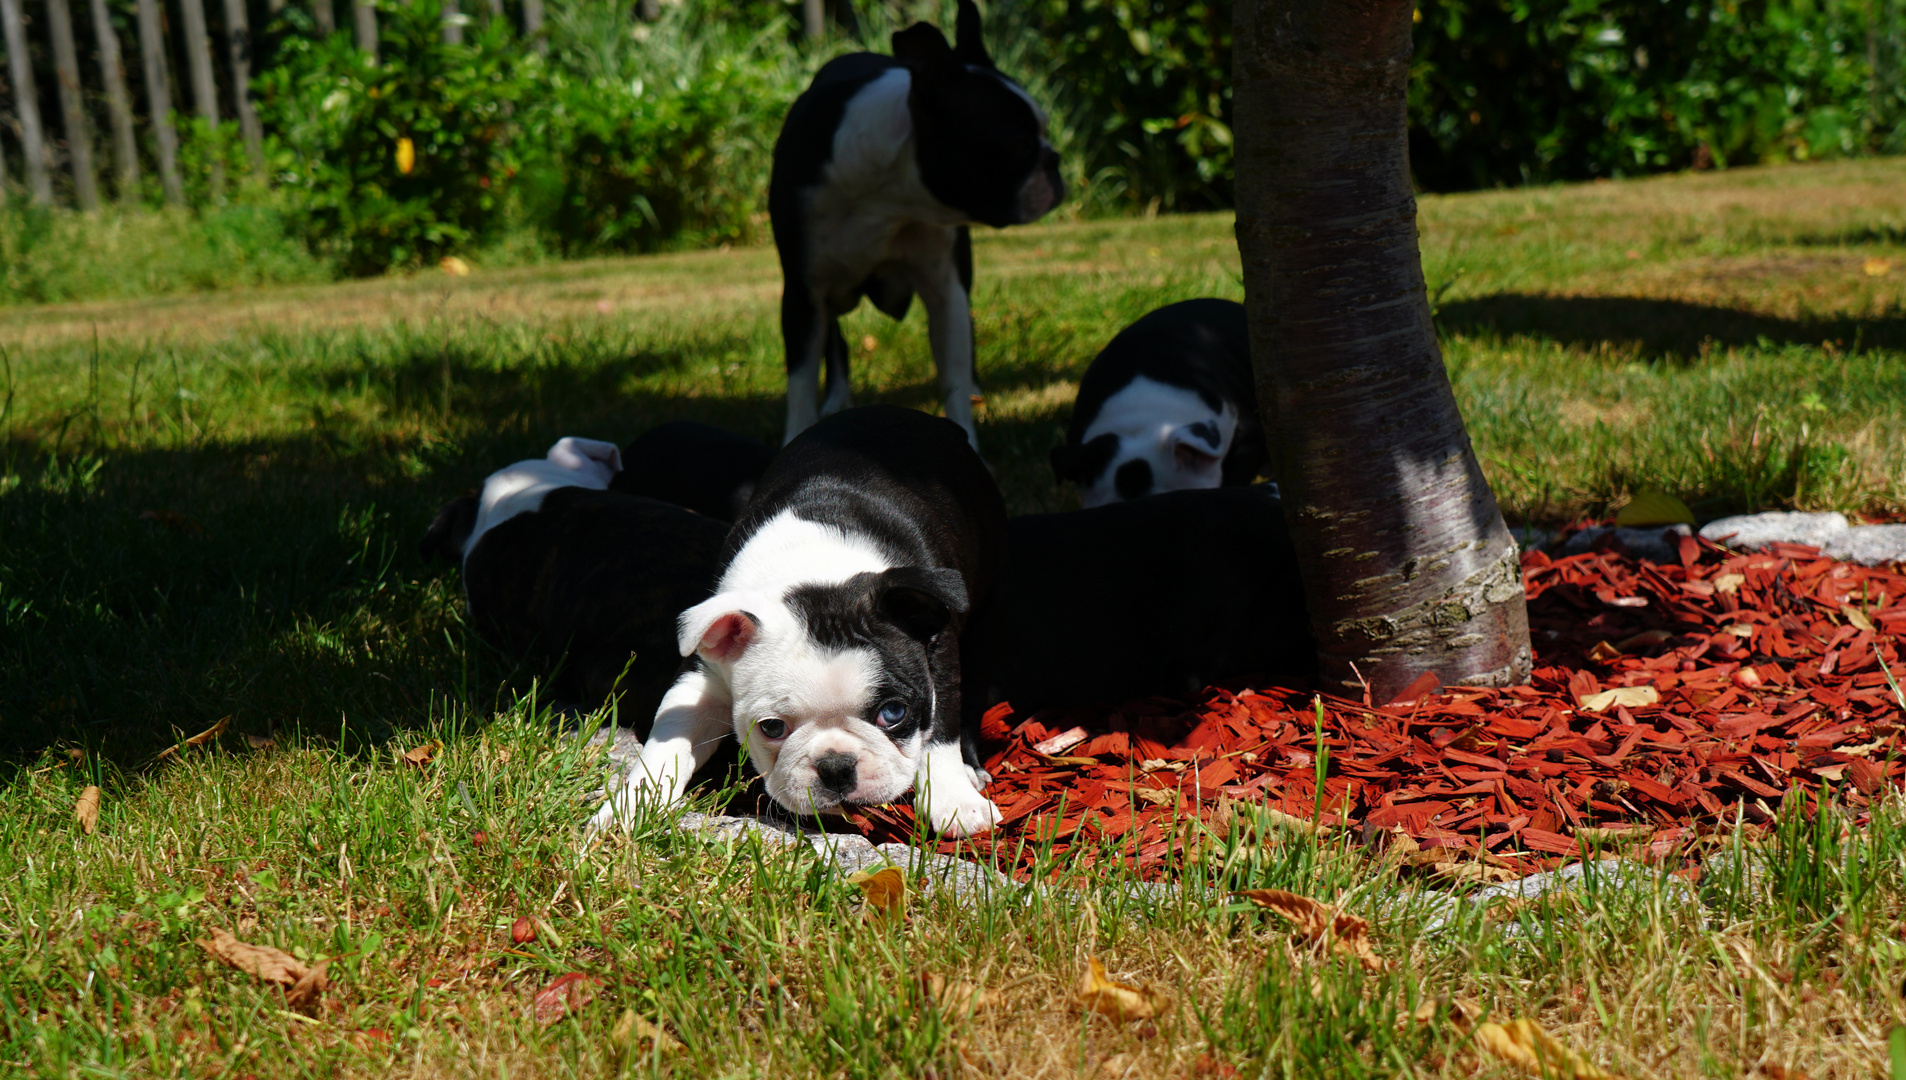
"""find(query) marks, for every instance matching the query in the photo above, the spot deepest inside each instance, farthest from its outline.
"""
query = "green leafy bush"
(1511, 91)
(398, 161)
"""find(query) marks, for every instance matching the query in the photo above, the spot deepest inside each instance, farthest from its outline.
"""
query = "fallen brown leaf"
(1120, 1001)
(1604, 653)
(200, 739)
(86, 809)
(422, 755)
(886, 891)
(635, 1032)
(1319, 924)
(1523, 1044)
(1468, 871)
(365, 1039)
(1633, 697)
(954, 997)
(303, 984)
(1118, 1066)
(569, 993)
(1647, 639)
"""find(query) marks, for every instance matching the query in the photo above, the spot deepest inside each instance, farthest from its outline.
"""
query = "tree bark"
(26, 104)
(364, 23)
(79, 134)
(325, 16)
(159, 99)
(813, 14)
(238, 46)
(452, 25)
(112, 68)
(1408, 567)
(533, 25)
(198, 57)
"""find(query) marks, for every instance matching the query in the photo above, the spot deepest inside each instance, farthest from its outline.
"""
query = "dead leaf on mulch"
(303, 984)
(1523, 1044)
(1633, 697)
(1321, 925)
(86, 809)
(423, 755)
(1120, 1001)
(203, 737)
(635, 1032)
(569, 993)
(885, 889)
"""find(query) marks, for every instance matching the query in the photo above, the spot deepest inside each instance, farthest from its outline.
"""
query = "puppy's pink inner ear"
(727, 637)
(1192, 459)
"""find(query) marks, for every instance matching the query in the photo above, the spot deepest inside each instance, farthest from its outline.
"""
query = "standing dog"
(1169, 404)
(882, 164)
(846, 645)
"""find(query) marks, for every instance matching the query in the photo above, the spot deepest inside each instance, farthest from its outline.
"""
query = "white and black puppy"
(708, 469)
(1170, 404)
(882, 164)
(847, 642)
(582, 584)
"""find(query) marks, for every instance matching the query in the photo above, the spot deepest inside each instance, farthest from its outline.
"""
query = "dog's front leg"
(950, 332)
(694, 716)
(804, 331)
(945, 794)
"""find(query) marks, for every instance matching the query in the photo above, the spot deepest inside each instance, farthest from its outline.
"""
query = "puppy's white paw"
(959, 813)
(620, 809)
(979, 777)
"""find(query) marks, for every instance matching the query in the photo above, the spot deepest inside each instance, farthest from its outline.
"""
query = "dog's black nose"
(836, 772)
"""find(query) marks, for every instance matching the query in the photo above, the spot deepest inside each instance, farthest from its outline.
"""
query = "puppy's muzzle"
(1043, 190)
(837, 774)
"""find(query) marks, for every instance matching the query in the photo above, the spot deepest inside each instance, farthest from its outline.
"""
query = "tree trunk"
(533, 25)
(1408, 567)
(813, 12)
(26, 105)
(112, 68)
(325, 16)
(452, 24)
(238, 45)
(159, 99)
(79, 134)
(364, 23)
(496, 9)
(198, 57)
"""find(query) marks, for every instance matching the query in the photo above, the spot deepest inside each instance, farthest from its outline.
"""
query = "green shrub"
(1513, 91)
(399, 161)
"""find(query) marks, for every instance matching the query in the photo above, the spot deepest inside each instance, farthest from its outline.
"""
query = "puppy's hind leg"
(804, 331)
(838, 387)
(694, 716)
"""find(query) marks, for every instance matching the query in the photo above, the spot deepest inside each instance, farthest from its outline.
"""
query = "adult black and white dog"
(582, 584)
(847, 642)
(881, 166)
(1170, 404)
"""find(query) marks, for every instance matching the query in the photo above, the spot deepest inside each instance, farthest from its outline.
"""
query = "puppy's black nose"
(836, 772)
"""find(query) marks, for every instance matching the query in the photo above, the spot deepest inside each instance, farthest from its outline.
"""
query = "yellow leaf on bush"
(1652, 506)
(1120, 1001)
(886, 890)
(87, 810)
(1319, 923)
(406, 155)
(1633, 697)
(1525, 1045)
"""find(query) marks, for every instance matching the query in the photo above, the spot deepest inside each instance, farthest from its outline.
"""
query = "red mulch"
(1768, 669)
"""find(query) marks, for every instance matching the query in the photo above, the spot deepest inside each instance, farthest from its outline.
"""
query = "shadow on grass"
(147, 592)
(1657, 329)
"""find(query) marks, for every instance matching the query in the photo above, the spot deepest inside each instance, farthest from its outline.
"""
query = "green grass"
(209, 506)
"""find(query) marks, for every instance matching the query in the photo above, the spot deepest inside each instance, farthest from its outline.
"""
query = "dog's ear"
(920, 600)
(922, 45)
(970, 46)
(1063, 458)
(717, 629)
(1082, 464)
(450, 532)
(1194, 447)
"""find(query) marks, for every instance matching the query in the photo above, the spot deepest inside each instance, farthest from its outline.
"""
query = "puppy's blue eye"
(772, 727)
(892, 713)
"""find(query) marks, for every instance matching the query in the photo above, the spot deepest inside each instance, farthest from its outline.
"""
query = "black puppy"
(584, 584)
(708, 469)
(1169, 404)
(881, 165)
(1163, 595)
(845, 645)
